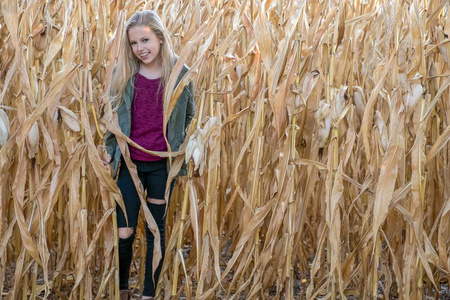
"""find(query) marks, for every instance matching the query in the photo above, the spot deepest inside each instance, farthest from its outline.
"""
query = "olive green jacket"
(180, 118)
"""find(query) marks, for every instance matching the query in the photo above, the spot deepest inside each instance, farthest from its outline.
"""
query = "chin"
(147, 62)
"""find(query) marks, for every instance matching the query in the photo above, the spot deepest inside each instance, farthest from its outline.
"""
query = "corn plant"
(320, 143)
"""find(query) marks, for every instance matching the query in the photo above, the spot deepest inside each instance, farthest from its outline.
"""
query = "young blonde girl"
(137, 95)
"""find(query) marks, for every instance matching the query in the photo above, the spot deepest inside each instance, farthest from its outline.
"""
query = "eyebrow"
(144, 37)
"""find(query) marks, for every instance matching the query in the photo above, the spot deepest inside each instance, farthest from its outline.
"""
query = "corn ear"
(33, 140)
(69, 118)
(4, 127)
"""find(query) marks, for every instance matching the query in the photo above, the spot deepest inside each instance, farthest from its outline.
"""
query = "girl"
(137, 94)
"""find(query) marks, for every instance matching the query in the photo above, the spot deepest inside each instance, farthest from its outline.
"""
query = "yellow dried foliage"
(321, 136)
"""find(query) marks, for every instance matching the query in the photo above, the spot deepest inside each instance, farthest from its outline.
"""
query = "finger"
(106, 165)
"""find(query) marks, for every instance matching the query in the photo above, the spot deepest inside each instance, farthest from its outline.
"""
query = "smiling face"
(145, 45)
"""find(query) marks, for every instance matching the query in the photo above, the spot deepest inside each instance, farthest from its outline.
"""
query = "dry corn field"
(321, 138)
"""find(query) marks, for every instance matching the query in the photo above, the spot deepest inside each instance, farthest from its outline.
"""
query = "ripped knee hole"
(156, 201)
(125, 232)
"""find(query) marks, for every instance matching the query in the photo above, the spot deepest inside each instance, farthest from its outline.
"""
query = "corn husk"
(33, 140)
(4, 127)
(196, 148)
(323, 119)
(69, 118)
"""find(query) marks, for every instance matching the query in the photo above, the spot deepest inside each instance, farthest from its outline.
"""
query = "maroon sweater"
(147, 118)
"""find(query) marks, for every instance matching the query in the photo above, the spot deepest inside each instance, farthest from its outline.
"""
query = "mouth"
(144, 55)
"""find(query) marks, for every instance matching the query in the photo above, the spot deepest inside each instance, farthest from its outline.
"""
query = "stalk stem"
(375, 267)
(291, 215)
(180, 233)
(34, 281)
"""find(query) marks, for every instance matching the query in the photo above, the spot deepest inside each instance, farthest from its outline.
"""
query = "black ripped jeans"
(153, 176)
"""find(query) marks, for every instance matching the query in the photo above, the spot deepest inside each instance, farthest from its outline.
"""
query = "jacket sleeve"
(190, 106)
(111, 144)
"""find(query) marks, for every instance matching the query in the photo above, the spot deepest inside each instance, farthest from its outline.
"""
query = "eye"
(133, 43)
(145, 40)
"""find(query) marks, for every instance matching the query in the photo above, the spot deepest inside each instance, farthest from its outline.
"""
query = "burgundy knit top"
(147, 118)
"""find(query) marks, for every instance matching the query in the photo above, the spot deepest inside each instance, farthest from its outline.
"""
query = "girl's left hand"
(107, 161)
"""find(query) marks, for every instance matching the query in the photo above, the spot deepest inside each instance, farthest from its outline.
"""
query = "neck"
(151, 71)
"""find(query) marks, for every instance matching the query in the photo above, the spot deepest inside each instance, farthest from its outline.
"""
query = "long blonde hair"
(128, 63)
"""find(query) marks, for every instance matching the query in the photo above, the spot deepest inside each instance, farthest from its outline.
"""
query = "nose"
(138, 46)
